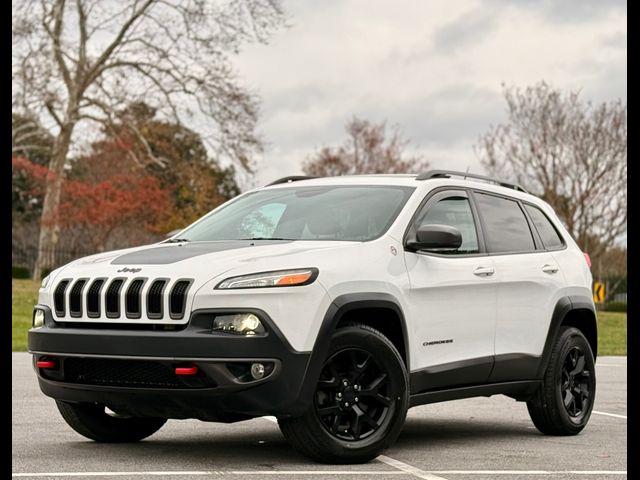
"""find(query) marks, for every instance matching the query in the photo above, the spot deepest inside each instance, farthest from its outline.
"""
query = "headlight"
(240, 324)
(38, 318)
(281, 278)
(45, 281)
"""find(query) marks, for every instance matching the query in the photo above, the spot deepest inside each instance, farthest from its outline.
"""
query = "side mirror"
(431, 237)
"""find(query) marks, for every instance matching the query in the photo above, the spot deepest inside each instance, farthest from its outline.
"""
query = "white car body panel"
(441, 298)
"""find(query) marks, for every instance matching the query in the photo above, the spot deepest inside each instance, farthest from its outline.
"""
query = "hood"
(201, 261)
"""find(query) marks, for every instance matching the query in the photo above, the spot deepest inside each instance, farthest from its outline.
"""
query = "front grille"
(178, 298)
(113, 298)
(128, 373)
(93, 298)
(132, 299)
(75, 298)
(58, 297)
(120, 300)
(154, 299)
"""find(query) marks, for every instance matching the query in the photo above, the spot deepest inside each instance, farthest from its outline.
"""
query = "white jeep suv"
(334, 304)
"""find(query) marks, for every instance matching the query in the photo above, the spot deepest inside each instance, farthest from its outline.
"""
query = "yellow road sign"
(598, 292)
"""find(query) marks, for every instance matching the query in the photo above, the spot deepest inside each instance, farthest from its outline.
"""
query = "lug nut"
(345, 383)
(339, 395)
(356, 399)
(346, 404)
(357, 387)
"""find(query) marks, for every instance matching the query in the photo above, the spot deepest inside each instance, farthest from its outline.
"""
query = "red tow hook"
(186, 370)
(45, 364)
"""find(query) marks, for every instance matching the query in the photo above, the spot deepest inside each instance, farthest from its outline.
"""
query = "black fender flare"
(338, 308)
(561, 310)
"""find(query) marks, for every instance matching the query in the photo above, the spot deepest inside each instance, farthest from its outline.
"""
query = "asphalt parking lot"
(481, 438)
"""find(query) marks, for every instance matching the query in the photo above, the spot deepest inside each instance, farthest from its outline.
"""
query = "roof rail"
(451, 173)
(292, 178)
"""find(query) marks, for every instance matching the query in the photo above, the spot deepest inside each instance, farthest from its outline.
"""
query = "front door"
(452, 300)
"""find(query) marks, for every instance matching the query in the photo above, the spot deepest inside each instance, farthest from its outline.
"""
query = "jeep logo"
(129, 270)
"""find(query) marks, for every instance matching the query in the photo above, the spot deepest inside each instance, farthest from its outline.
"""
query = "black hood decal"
(172, 253)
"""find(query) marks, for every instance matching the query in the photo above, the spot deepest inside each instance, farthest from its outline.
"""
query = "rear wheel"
(360, 401)
(563, 403)
(97, 423)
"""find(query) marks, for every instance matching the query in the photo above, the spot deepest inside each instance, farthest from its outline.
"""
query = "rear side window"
(506, 227)
(550, 236)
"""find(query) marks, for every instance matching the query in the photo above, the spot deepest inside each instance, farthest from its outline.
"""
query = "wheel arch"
(575, 311)
(355, 307)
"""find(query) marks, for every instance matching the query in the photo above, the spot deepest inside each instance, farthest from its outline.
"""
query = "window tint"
(507, 229)
(454, 212)
(550, 236)
(354, 213)
(261, 223)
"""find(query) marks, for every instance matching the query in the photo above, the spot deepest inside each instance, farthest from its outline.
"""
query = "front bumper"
(219, 393)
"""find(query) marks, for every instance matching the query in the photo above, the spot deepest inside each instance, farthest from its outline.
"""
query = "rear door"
(452, 300)
(529, 281)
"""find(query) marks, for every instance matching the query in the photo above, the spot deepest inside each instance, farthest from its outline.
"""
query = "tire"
(563, 403)
(356, 421)
(92, 421)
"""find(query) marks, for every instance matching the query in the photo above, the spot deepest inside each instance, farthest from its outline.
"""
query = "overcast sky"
(434, 68)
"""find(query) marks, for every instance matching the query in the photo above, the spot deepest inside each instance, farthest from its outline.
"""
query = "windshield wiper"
(177, 240)
(267, 238)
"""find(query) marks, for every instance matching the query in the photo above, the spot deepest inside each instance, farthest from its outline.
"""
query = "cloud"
(566, 11)
(465, 31)
(433, 68)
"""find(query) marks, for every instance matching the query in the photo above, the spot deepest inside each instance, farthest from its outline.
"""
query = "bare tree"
(571, 153)
(366, 150)
(79, 62)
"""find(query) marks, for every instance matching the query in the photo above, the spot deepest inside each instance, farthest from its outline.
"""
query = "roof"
(399, 179)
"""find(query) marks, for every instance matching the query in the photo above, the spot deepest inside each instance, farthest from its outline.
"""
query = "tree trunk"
(49, 228)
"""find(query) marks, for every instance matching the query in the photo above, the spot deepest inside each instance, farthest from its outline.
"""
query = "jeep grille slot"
(58, 297)
(154, 299)
(75, 298)
(93, 298)
(177, 299)
(132, 299)
(112, 301)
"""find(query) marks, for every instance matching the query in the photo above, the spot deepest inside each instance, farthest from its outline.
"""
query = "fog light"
(38, 318)
(257, 371)
(240, 324)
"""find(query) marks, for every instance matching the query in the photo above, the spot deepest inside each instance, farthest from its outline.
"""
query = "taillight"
(587, 258)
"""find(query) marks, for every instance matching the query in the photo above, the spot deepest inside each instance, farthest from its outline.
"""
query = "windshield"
(356, 213)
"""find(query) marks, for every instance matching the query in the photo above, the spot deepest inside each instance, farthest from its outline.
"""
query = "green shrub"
(615, 307)
(20, 272)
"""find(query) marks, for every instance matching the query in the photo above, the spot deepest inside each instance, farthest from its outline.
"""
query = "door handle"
(484, 271)
(547, 268)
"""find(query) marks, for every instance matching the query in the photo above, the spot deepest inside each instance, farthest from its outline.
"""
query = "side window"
(261, 223)
(550, 236)
(506, 227)
(455, 212)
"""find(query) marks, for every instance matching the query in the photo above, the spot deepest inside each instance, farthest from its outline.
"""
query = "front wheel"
(563, 403)
(360, 402)
(96, 423)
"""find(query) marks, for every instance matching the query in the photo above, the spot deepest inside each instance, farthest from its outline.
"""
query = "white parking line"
(610, 365)
(406, 469)
(113, 474)
(416, 472)
(609, 414)
(533, 472)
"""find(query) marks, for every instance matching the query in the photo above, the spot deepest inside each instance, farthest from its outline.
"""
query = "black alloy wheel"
(574, 383)
(563, 402)
(359, 403)
(353, 398)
